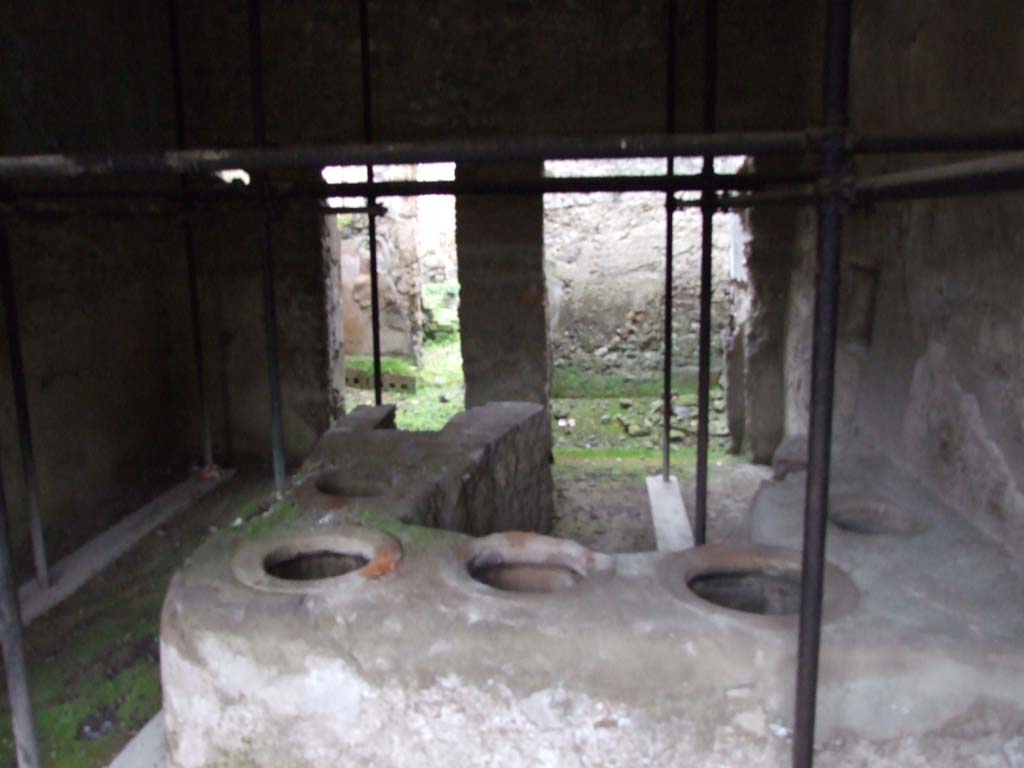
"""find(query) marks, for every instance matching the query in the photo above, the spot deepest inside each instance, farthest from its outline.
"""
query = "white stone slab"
(147, 749)
(671, 523)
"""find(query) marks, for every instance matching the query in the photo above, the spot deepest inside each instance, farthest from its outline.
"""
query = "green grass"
(439, 394)
(596, 406)
(397, 366)
(440, 311)
(681, 455)
(567, 381)
(273, 516)
(410, 534)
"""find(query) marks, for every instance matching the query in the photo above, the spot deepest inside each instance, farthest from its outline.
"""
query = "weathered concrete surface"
(931, 584)
(426, 665)
(503, 303)
(412, 660)
(488, 469)
(930, 357)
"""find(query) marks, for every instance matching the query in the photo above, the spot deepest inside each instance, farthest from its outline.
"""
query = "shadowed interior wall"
(105, 310)
(931, 354)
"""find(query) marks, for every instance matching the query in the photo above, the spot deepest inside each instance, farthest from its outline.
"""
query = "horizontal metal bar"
(801, 196)
(1000, 173)
(991, 174)
(131, 209)
(197, 161)
(904, 143)
(552, 185)
(570, 185)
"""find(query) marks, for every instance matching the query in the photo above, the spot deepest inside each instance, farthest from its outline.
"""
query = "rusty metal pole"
(708, 205)
(670, 209)
(22, 719)
(823, 353)
(206, 439)
(28, 456)
(267, 255)
(371, 200)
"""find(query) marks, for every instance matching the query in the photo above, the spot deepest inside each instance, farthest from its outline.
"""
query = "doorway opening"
(418, 290)
(605, 271)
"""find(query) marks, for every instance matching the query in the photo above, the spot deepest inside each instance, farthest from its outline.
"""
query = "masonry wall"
(104, 306)
(415, 245)
(931, 363)
(399, 278)
(106, 329)
(605, 262)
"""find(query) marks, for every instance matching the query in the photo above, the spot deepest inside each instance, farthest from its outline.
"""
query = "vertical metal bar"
(267, 259)
(190, 249)
(826, 313)
(706, 247)
(28, 456)
(378, 383)
(670, 209)
(197, 345)
(22, 719)
(371, 200)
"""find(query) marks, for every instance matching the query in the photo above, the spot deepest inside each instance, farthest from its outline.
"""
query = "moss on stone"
(93, 661)
(412, 536)
(275, 515)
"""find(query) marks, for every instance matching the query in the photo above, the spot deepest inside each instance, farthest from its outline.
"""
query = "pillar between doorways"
(503, 306)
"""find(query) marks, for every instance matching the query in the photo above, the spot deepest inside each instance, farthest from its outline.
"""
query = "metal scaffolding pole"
(708, 201)
(128, 208)
(254, 159)
(206, 440)
(826, 315)
(670, 208)
(22, 718)
(972, 177)
(364, 61)
(927, 142)
(239, 193)
(659, 145)
(785, 197)
(267, 259)
(28, 456)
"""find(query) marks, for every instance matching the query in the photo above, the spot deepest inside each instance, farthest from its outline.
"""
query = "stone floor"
(603, 504)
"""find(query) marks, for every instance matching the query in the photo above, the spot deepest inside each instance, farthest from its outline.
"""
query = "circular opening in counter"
(337, 484)
(525, 577)
(319, 560)
(872, 517)
(311, 565)
(763, 592)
